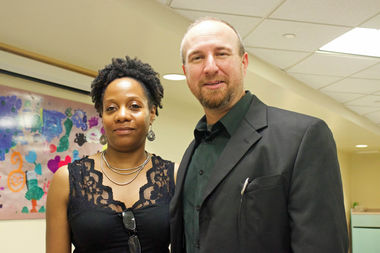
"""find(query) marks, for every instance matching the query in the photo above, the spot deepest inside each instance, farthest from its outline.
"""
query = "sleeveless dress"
(95, 219)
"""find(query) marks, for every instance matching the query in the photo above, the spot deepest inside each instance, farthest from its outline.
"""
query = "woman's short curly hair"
(134, 68)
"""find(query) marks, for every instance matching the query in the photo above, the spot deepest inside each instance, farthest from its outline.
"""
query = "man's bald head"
(209, 19)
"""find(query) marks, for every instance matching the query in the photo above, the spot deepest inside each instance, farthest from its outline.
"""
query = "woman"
(116, 200)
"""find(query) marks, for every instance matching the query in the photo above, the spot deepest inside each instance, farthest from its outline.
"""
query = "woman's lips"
(123, 130)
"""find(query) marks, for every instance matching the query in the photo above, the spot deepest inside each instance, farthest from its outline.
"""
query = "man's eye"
(196, 58)
(222, 54)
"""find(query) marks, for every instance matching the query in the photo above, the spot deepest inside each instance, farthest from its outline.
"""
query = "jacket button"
(198, 208)
(201, 172)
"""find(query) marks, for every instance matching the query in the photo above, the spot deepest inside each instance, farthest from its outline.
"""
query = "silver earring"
(151, 136)
(103, 139)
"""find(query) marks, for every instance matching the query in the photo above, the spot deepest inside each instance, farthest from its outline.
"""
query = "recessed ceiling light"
(175, 77)
(361, 146)
(359, 41)
(289, 35)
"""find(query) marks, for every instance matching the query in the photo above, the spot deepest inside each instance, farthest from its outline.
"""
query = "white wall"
(22, 236)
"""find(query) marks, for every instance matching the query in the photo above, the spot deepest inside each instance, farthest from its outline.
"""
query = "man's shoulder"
(294, 122)
(283, 117)
(288, 115)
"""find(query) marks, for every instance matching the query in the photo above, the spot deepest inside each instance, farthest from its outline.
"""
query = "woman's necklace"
(136, 170)
(127, 171)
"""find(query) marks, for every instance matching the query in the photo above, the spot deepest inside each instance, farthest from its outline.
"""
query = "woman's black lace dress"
(95, 217)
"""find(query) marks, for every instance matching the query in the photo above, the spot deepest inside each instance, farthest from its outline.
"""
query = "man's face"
(213, 67)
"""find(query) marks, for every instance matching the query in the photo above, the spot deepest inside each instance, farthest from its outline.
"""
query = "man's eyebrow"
(194, 52)
(216, 49)
(224, 48)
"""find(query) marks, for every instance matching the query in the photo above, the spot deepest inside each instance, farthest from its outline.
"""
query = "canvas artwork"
(38, 135)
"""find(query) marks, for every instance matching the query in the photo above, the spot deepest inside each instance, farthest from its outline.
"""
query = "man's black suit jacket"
(293, 201)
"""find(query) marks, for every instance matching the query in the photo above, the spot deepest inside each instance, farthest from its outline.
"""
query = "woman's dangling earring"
(103, 139)
(151, 136)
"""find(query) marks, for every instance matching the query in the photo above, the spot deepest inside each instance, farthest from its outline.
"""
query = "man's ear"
(245, 62)
(184, 69)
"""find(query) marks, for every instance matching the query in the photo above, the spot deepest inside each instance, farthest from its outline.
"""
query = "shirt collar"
(202, 131)
(232, 119)
(230, 122)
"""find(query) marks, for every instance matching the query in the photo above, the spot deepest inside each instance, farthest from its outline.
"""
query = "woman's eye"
(110, 108)
(135, 106)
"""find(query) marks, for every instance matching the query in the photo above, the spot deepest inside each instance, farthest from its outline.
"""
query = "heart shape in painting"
(53, 148)
(53, 164)
(56, 163)
(65, 162)
(31, 157)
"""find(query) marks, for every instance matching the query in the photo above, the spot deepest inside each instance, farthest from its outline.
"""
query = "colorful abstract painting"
(38, 135)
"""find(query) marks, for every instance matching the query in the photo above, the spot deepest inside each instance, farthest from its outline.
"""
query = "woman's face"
(126, 114)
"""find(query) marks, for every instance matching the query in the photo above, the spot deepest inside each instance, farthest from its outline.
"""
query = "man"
(255, 178)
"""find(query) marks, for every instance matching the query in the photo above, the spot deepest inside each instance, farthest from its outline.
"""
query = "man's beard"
(208, 102)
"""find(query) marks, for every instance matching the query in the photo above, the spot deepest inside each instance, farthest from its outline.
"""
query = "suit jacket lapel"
(246, 135)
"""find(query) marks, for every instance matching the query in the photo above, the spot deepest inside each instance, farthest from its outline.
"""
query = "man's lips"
(213, 84)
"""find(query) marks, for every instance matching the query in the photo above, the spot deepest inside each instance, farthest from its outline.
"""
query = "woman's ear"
(153, 113)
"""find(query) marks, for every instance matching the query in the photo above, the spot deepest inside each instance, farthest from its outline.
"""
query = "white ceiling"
(351, 80)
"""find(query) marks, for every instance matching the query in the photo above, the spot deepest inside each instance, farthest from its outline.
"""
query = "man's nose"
(211, 66)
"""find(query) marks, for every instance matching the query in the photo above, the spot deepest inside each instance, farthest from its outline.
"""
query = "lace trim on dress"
(87, 189)
(160, 186)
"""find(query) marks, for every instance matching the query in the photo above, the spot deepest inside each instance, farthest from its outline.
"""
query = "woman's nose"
(123, 114)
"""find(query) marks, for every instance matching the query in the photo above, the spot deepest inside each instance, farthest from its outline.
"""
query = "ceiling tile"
(342, 97)
(355, 85)
(314, 81)
(372, 23)
(374, 116)
(370, 100)
(333, 64)
(279, 58)
(269, 34)
(361, 110)
(371, 73)
(242, 24)
(256, 8)
(340, 12)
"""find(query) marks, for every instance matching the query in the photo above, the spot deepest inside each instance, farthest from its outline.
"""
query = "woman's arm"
(57, 226)
(176, 165)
